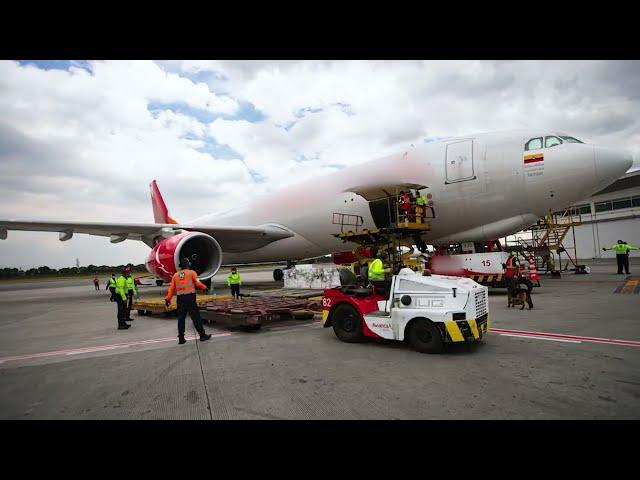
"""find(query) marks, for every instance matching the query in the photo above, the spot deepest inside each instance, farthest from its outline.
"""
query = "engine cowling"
(201, 249)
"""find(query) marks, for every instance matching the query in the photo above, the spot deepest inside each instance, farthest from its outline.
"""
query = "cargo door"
(459, 161)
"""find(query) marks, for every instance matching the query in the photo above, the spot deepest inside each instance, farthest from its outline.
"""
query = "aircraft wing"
(230, 238)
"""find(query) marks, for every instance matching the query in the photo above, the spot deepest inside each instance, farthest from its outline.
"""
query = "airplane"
(485, 186)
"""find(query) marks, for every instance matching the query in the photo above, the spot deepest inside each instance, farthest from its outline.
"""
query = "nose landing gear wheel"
(347, 324)
(425, 337)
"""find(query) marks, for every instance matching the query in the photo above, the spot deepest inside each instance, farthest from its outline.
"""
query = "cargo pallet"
(156, 305)
(251, 312)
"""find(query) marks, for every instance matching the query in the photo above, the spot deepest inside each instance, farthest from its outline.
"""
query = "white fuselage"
(480, 186)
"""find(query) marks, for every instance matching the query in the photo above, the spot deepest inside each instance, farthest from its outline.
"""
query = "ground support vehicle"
(427, 311)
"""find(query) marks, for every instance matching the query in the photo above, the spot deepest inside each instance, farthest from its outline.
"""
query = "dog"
(519, 297)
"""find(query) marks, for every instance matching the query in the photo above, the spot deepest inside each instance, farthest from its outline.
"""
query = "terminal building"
(608, 216)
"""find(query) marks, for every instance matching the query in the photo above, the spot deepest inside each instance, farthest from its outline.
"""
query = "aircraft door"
(383, 212)
(459, 161)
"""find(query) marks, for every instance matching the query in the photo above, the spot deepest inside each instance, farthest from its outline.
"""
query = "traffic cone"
(533, 273)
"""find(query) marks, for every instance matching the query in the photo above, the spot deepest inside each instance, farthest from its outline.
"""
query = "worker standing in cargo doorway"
(131, 291)
(112, 287)
(622, 255)
(121, 298)
(96, 283)
(234, 281)
(421, 205)
(376, 274)
(183, 284)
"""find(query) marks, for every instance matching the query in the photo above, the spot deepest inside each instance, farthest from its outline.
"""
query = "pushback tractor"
(426, 311)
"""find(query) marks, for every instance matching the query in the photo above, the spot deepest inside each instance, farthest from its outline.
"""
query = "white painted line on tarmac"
(539, 338)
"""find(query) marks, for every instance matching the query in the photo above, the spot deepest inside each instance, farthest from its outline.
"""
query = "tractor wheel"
(278, 274)
(347, 323)
(159, 283)
(425, 337)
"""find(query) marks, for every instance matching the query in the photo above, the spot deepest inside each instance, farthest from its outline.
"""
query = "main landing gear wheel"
(278, 274)
(347, 324)
(425, 337)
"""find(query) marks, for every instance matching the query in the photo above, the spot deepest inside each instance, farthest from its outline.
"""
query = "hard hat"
(620, 241)
(185, 263)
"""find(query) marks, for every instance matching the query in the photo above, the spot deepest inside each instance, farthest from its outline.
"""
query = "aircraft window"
(533, 144)
(570, 139)
(551, 141)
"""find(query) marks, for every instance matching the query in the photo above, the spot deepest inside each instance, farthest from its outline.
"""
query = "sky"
(82, 140)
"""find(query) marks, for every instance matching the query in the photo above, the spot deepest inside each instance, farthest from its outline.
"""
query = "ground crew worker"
(622, 255)
(96, 283)
(404, 203)
(511, 273)
(131, 291)
(121, 298)
(376, 275)
(421, 203)
(234, 281)
(112, 287)
(183, 284)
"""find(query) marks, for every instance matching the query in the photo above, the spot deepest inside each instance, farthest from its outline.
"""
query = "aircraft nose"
(611, 163)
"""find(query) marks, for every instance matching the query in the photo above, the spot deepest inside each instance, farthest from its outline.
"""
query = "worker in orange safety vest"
(183, 284)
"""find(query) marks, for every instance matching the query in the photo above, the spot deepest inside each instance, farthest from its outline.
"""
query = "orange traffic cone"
(533, 273)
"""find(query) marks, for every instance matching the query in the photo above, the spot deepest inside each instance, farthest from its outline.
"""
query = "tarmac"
(576, 355)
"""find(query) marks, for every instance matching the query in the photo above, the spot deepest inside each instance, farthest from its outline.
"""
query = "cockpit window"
(570, 139)
(551, 142)
(533, 144)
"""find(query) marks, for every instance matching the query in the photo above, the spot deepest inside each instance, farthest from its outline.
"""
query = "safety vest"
(121, 287)
(184, 282)
(376, 270)
(620, 248)
(421, 200)
(511, 269)
(112, 282)
(131, 284)
(234, 279)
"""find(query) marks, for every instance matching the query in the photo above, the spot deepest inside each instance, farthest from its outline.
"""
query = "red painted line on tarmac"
(609, 341)
(98, 348)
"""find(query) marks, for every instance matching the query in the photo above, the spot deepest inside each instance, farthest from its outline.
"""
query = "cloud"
(82, 140)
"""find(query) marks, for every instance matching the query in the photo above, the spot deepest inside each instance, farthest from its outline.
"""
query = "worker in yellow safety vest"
(131, 291)
(376, 275)
(622, 250)
(421, 203)
(112, 287)
(121, 298)
(234, 281)
(183, 284)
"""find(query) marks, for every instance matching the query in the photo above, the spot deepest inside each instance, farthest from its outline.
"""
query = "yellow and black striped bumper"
(466, 330)
(487, 279)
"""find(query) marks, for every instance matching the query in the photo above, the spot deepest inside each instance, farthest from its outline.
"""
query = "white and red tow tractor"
(427, 311)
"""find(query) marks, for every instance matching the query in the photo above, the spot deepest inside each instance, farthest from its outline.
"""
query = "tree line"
(68, 271)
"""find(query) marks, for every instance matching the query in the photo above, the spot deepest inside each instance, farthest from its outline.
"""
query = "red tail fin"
(160, 211)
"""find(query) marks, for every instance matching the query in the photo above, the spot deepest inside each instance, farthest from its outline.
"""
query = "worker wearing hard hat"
(183, 284)
(131, 291)
(121, 298)
(376, 274)
(622, 250)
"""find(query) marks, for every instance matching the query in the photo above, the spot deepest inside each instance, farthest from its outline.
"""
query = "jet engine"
(202, 250)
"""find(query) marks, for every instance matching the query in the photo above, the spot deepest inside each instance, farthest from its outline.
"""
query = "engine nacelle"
(201, 249)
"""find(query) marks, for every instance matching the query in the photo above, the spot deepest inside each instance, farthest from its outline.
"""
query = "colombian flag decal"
(533, 159)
